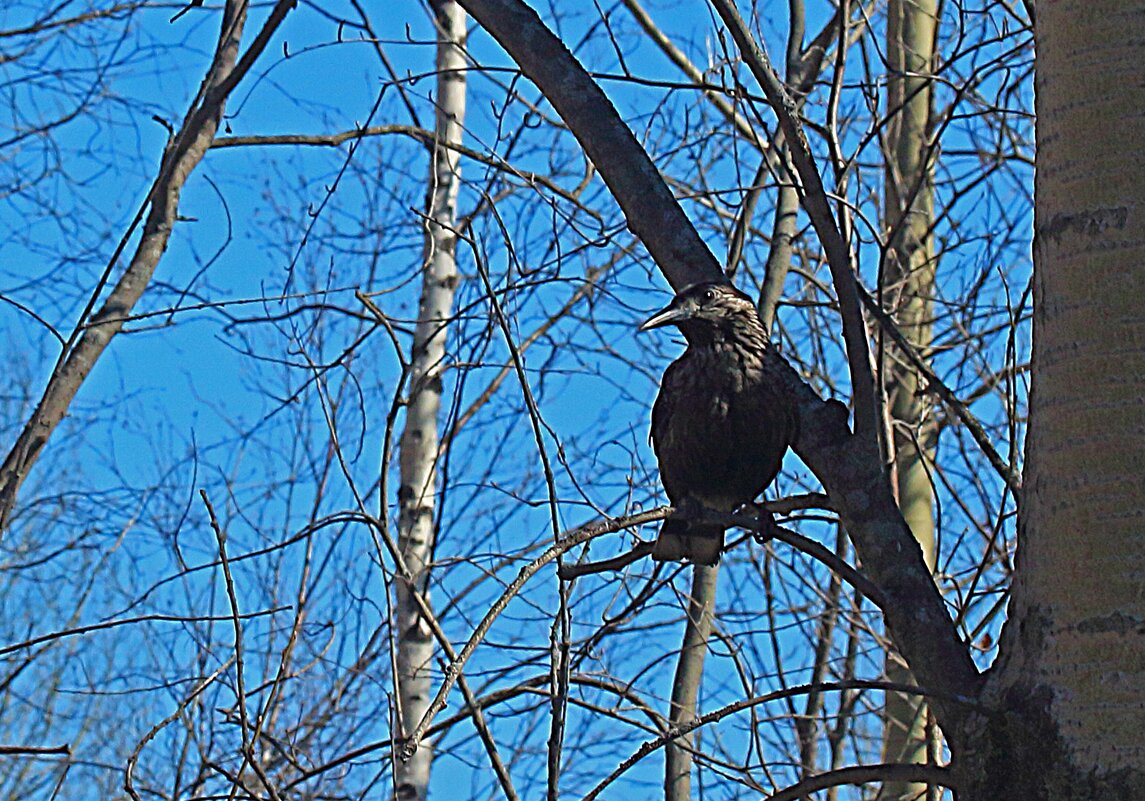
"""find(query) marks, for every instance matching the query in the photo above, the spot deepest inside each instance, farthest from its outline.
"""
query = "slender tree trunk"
(908, 285)
(420, 437)
(1069, 687)
(686, 684)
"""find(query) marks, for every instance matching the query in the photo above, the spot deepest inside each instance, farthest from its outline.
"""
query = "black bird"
(720, 425)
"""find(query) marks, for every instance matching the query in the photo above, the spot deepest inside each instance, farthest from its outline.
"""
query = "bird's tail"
(700, 543)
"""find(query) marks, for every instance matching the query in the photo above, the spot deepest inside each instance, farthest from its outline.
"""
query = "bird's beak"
(669, 315)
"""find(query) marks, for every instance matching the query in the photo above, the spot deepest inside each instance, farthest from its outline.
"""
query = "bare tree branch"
(91, 337)
(866, 774)
(849, 465)
(653, 214)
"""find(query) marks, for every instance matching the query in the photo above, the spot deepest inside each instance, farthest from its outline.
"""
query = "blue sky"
(221, 398)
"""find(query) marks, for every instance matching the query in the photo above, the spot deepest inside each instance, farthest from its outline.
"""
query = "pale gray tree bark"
(907, 284)
(687, 680)
(420, 438)
(1061, 717)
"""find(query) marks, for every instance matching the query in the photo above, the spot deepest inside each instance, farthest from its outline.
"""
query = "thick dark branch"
(849, 466)
(652, 212)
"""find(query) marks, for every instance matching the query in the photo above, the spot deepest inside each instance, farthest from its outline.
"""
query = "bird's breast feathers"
(720, 424)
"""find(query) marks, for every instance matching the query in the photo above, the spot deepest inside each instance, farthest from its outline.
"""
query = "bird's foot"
(766, 526)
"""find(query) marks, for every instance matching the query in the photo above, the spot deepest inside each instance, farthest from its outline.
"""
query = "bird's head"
(707, 311)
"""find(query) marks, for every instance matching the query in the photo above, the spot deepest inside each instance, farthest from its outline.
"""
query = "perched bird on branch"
(720, 425)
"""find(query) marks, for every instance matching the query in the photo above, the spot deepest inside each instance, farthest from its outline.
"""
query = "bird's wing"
(666, 434)
(689, 440)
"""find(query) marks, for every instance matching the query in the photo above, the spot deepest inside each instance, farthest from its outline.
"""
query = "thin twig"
(946, 394)
(567, 541)
(641, 549)
(747, 703)
(808, 546)
(111, 624)
(240, 680)
(865, 774)
(129, 771)
(418, 134)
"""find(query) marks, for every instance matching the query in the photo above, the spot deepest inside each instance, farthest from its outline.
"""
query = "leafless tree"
(327, 461)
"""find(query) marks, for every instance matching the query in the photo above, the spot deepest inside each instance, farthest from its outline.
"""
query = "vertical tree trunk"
(1070, 683)
(686, 683)
(908, 285)
(420, 437)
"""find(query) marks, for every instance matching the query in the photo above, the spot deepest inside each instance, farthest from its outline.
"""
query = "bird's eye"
(709, 295)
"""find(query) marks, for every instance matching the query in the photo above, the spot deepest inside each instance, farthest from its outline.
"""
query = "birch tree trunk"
(419, 441)
(1070, 683)
(908, 285)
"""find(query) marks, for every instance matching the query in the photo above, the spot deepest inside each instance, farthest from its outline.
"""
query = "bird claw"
(766, 526)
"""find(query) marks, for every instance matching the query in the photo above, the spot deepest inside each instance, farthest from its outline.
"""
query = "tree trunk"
(908, 285)
(686, 683)
(1069, 687)
(420, 437)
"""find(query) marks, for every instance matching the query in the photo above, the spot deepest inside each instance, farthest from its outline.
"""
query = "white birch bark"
(419, 444)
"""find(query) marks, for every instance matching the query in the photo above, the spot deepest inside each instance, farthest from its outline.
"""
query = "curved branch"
(866, 774)
(650, 208)
(848, 465)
